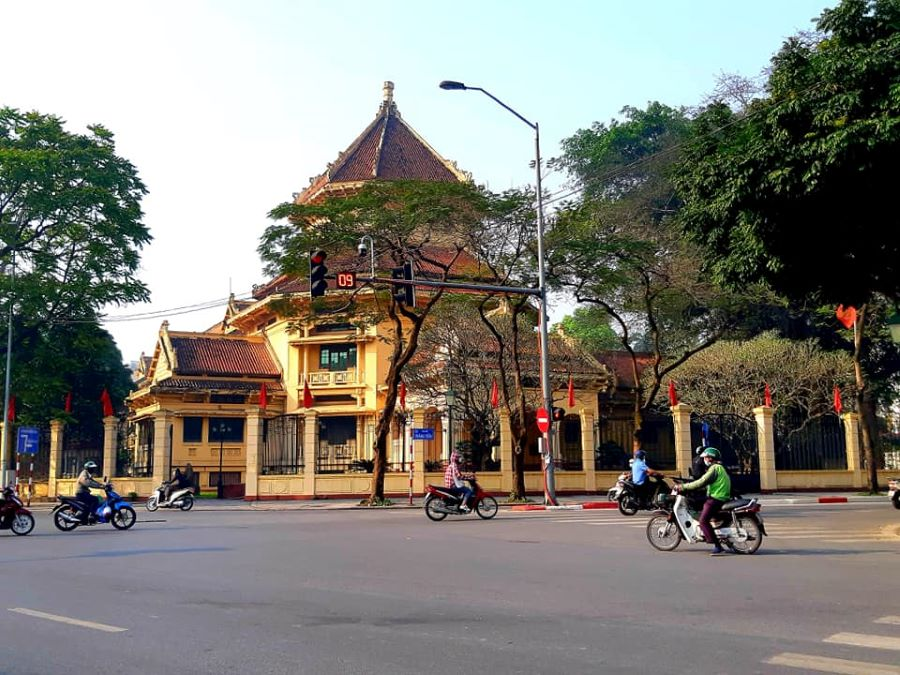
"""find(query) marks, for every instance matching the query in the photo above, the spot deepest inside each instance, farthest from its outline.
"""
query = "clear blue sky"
(227, 107)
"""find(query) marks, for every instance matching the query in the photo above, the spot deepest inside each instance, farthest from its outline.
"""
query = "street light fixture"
(452, 85)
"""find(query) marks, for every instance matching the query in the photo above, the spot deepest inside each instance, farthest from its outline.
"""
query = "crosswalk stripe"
(894, 620)
(862, 640)
(828, 665)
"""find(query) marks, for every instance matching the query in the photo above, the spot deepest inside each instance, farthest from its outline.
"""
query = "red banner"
(767, 397)
(495, 394)
(307, 395)
(837, 400)
(263, 396)
(107, 404)
(571, 393)
(847, 317)
(673, 397)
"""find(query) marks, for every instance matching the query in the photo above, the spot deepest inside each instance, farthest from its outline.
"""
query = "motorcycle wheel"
(152, 502)
(124, 518)
(754, 536)
(187, 503)
(487, 507)
(22, 524)
(627, 505)
(63, 524)
(431, 512)
(663, 534)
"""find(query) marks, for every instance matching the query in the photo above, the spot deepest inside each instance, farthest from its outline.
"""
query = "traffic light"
(404, 294)
(559, 414)
(318, 284)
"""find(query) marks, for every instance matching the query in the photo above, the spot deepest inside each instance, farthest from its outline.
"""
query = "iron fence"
(736, 439)
(283, 446)
(809, 444)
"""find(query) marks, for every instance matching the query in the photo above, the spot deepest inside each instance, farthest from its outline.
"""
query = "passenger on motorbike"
(453, 479)
(718, 491)
(640, 471)
(85, 483)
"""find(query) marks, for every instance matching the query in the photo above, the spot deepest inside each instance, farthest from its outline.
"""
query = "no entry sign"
(543, 420)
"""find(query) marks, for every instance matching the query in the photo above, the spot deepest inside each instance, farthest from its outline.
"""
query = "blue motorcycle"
(70, 513)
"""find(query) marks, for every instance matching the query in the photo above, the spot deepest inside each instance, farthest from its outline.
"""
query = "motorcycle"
(441, 502)
(13, 514)
(182, 498)
(894, 492)
(616, 490)
(70, 513)
(738, 526)
(631, 499)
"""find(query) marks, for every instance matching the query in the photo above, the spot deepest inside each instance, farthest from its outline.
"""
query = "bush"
(433, 465)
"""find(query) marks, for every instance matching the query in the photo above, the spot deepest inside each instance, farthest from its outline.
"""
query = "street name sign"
(423, 434)
(28, 439)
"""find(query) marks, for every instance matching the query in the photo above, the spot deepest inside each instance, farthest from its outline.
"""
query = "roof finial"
(388, 91)
(388, 107)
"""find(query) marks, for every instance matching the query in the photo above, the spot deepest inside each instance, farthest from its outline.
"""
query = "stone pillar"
(254, 454)
(851, 437)
(765, 441)
(506, 453)
(110, 441)
(418, 456)
(310, 448)
(162, 469)
(56, 442)
(681, 418)
(588, 450)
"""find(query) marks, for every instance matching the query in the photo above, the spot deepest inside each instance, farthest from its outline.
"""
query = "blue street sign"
(423, 434)
(28, 440)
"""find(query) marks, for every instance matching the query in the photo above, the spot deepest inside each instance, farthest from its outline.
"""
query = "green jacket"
(717, 482)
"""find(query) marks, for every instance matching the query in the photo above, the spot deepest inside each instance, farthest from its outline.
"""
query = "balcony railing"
(324, 378)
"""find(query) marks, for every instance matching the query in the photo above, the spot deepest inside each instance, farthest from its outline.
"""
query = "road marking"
(893, 620)
(827, 665)
(870, 540)
(65, 619)
(862, 640)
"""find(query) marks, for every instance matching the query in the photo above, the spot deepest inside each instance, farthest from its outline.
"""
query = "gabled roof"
(388, 149)
(221, 356)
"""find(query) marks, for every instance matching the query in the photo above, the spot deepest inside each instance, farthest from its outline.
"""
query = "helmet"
(90, 465)
(640, 454)
(712, 452)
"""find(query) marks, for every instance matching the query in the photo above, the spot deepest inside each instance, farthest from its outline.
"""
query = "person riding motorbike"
(640, 471)
(179, 481)
(85, 483)
(698, 465)
(453, 479)
(718, 491)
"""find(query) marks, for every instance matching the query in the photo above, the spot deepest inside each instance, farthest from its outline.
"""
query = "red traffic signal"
(559, 414)
(318, 284)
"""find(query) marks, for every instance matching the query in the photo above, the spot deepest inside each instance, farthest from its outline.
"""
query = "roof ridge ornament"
(388, 106)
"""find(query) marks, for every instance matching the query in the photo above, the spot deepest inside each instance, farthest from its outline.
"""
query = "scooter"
(738, 526)
(616, 490)
(631, 499)
(13, 514)
(441, 502)
(70, 513)
(182, 498)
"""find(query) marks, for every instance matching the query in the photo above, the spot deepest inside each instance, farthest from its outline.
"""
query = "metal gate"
(282, 445)
(735, 437)
(809, 444)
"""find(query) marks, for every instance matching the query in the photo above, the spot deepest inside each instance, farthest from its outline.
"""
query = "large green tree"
(797, 189)
(590, 327)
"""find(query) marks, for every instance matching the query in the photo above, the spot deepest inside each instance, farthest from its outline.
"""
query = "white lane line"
(868, 540)
(827, 665)
(65, 619)
(863, 640)
(893, 620)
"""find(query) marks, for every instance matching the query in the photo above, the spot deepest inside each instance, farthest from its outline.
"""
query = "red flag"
(837, 400)
(495, 394)
(847, 317)
(263, 396)
(307, 395)
(11, 416)
(402, 390)
(571, 392)
(673, 397)
(68, 407)
(767, 397)
(107, 403)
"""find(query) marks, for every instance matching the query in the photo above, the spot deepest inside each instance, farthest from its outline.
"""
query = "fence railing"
(810, 444)
(283, 447)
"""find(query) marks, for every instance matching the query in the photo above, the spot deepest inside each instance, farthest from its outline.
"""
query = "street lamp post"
(450, 398)
(221, 429)
(546, 396)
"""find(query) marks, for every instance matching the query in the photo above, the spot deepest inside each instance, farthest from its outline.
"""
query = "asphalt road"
(328, 591)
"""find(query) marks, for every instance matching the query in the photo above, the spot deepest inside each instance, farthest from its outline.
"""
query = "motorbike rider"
(718, 491)
(179, 481)
(640, 471)
(453, 479)
(698, 465)
(85, 483)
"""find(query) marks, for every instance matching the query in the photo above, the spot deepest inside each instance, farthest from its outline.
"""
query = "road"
(387, 591)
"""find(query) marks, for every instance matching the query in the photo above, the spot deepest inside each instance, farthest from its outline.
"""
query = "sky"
(227, 108)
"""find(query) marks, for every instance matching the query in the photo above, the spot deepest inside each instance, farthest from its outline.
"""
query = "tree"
(426, 223)
(813, 161)
(590, 327)
(70, 220)
(618, 247)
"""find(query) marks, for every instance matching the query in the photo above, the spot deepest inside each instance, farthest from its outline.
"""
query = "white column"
(57, 428)
(506, 453)
(851, 437)
(587, 450)
(681, 417)
(310, 449)
(162, 470)
(765, 435)
(254, 454)
(110, 440)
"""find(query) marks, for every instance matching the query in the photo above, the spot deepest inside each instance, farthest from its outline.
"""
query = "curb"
(565, 507)
(832, 500)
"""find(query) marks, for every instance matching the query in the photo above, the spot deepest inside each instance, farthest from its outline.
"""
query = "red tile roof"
(619, 362)
(222, 356)
(226, 386)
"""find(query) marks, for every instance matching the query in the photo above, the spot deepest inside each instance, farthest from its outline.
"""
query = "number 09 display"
(346, 279)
